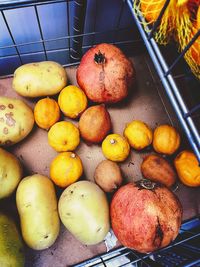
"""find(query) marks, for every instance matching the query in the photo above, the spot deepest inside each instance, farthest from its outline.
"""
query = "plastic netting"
(180, 22)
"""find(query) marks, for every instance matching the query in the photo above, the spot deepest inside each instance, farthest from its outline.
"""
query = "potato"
(11, 246)
(37, 208)
(39, 79)
(108, 175)
(158, 169)
(84, 210)
(10, 173)
(16, 120)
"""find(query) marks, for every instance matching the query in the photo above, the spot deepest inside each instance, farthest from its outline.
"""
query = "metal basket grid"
(183, 251)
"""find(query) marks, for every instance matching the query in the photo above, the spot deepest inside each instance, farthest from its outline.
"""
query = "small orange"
(166, 139)
(187, 167)
(66, 168)
(46, 113)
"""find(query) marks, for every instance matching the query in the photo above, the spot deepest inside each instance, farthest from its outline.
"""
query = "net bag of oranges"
(180, 22)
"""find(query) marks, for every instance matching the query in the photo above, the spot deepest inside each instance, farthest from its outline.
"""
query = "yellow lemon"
(64, 136)
(138, 134)
(115, 147)
(46, 113)
(72, 101)
(166, 139)
(66, 168)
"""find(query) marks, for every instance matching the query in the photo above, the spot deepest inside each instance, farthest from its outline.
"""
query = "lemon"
(66, 168)
(115, 147)
(46, 113)
(72, 101)
(138, 134)
(64, 136)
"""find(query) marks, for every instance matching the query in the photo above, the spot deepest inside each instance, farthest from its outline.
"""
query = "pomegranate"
(145, 215)
(105, 74)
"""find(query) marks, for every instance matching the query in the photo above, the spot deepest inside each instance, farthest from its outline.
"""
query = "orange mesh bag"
(187, 25)
(180, 21)
(150, 10)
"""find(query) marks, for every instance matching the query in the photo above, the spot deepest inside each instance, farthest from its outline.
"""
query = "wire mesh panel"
(61, 30)
(184, 251)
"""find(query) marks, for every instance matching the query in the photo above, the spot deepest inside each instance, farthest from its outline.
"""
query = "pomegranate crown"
(100, 58)
(147, 184)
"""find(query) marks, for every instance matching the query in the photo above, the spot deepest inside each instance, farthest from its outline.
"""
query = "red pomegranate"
(105, 74)
(145, 216)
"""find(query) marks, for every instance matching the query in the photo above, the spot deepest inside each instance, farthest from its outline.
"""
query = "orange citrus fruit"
(72, 101)
(138, 134)
(166, 139)
(115, 147)
(64, 136)
(46, 113)
(66, 168)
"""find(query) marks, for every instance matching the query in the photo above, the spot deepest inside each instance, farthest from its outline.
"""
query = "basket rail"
(164, 72)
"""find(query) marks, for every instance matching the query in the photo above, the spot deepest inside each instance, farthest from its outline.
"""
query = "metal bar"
(187, 232)
(191, 223)
(95, 24)
(64, 65)
(36, 53)
(182, 53)
(114, 257)
(118, 21)
(11, 35)
(68, 29)
(170, 81)
(6, 5)
(83, 264)
(78, 27)
(193, 263)
(157, 22)
(103, 262)
(170, 86)
(40, 29)
(137, 259)
(189, 113)
(65, 49)
(190, 247)
(61, 38)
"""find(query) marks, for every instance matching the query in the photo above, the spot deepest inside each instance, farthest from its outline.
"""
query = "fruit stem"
(146, 184)
(99, 58)
(73, 155)
(112, 141)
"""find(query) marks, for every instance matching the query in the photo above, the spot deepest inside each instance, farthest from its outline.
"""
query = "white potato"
(84, 210)
(39, 79)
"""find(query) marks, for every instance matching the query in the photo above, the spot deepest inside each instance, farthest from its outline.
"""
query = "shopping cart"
(85, 26)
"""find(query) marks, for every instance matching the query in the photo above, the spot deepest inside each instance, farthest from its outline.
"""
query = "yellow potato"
(10, 173)
(39, 79)
(37, 208)
(11, 245)
(84, 210)
(16, 120)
